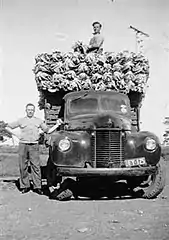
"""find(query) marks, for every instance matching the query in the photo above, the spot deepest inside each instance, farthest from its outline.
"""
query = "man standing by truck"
(28, 145)
(96, 42)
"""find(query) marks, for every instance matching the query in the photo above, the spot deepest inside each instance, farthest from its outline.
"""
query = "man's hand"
(59, 121)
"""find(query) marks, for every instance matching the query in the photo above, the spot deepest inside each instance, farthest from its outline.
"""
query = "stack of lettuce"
(73, 71)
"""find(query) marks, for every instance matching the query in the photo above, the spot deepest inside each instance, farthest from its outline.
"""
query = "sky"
(30, 27)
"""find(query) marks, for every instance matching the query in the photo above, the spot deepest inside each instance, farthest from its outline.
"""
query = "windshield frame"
(98, 96)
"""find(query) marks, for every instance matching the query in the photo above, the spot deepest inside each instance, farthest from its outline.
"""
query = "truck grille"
(107, 149)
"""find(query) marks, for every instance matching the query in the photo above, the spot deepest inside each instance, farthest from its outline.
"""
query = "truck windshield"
(84, 105)
(118, 105)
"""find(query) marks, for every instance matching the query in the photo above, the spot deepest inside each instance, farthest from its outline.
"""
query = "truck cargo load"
(58, 73)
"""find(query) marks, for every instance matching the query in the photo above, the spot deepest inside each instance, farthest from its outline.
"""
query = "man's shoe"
(38, 191)
(25, 190)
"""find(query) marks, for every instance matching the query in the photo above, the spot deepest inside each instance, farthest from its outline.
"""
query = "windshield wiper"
(82, 96)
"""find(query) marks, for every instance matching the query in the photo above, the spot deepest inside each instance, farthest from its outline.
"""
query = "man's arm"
(52, 129)
(97, 42)
(9, 130)
(11, 126)
(58, 123)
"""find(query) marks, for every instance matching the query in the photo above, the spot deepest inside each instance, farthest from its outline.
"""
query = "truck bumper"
(113, 172)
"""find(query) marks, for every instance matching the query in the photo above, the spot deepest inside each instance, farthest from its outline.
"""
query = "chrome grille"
(107, 149)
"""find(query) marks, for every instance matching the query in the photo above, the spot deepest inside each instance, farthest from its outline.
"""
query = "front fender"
(79, 152)
(135, 147)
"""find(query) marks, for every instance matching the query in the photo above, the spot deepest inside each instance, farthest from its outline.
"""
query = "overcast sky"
(30, 27)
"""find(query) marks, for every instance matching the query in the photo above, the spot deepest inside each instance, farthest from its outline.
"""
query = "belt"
(29, 143)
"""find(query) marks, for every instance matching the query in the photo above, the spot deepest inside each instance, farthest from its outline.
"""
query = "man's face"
(30, 110)
(96, 28)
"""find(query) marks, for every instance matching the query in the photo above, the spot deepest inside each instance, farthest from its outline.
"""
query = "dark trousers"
(52, 178)
(31, 150)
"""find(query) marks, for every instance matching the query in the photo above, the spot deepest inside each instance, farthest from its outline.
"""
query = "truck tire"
(154, 185)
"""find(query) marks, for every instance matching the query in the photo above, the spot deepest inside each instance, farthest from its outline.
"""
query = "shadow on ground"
(80, 190)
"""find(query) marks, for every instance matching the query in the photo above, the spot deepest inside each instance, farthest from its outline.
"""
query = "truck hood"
(101, 120)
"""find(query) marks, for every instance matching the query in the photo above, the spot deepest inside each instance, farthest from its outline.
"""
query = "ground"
(30, 216)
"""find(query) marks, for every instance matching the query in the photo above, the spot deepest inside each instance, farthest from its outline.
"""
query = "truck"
(100, 142)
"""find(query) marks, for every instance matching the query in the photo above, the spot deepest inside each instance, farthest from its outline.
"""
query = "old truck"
(100, 141)
(97, 140)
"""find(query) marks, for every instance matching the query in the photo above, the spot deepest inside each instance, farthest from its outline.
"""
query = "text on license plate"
(135, 162)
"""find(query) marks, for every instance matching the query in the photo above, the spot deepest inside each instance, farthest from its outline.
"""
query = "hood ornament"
(109, 122)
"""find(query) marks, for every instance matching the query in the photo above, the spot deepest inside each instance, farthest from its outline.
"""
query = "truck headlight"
(150, 144)
(64, 144)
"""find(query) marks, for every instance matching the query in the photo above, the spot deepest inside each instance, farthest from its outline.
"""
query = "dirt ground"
(30, 217)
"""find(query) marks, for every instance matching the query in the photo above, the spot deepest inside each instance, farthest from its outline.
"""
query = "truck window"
(114, 104)
(84, 105)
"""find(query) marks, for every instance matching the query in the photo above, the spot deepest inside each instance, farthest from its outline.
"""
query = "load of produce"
(73, 71)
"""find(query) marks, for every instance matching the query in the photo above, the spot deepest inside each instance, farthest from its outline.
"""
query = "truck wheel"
(153, 186)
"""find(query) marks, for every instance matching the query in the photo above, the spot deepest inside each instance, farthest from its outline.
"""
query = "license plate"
(135, 162)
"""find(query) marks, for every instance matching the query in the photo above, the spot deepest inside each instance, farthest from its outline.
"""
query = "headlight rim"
(145, 144)
(67, 149)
